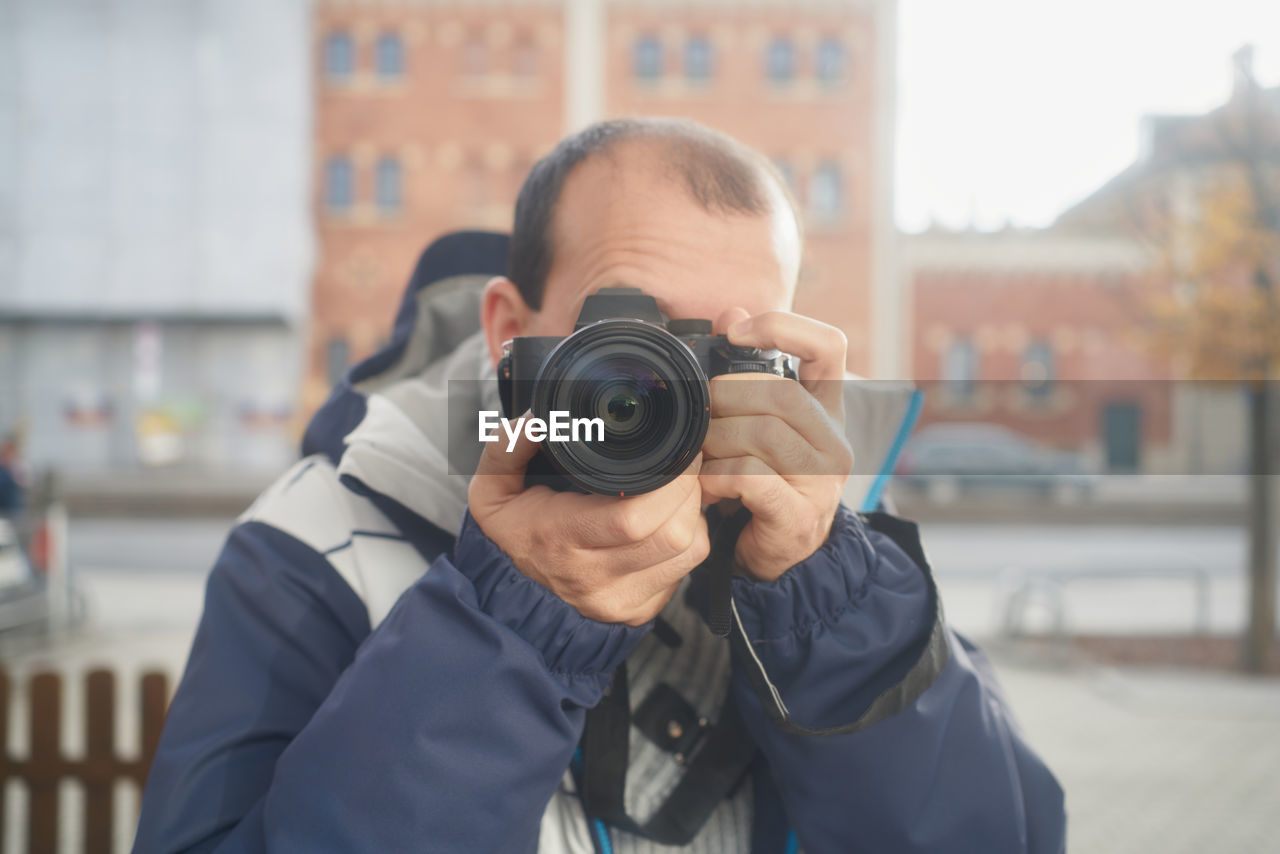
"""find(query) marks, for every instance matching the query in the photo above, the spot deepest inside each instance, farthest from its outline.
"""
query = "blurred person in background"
(11, 491)
(396, 658)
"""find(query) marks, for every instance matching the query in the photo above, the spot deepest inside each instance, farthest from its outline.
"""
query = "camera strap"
(716, 757)
(719, 568)
(720, 759)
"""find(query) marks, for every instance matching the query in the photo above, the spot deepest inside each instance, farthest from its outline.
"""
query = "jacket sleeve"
(449, 726)
(883, 729)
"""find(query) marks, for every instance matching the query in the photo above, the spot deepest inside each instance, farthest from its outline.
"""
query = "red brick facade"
(483, 94)
(801, 125)
(1087, 321)
(479, 99)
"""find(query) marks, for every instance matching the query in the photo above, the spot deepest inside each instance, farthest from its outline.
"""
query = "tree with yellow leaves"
(1221, 318)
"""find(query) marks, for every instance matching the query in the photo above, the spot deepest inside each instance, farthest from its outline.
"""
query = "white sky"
(1014, 109)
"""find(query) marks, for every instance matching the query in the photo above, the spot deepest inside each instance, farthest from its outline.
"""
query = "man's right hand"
(616, 560)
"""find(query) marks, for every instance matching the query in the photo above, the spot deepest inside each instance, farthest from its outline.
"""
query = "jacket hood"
(387, 422)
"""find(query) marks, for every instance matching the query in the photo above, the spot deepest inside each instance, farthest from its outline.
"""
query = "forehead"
(627, 218)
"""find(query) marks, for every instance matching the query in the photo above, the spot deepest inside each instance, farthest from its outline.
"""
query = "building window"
(387, 190)
(697, 59)
(337, 356)
(476, 195)
(339, 183)
(475, 56)
(389, 56)
(780, 61)
(1037, 370)
(960, 369)
(648, 58)
(521, 163)
(339, 56)
(826, 196)
(526, 59)
(831, 61)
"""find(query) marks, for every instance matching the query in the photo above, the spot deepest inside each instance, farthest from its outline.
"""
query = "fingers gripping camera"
(644, 376)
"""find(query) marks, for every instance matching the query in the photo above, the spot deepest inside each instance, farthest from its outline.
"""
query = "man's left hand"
(778, 446)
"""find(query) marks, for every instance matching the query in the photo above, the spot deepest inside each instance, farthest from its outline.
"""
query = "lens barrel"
(645, 386)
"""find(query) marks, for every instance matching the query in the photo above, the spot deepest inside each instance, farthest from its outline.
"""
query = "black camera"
(637, 378)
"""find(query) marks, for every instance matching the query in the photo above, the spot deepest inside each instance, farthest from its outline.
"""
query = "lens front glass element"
(632, 400)
(648, 391)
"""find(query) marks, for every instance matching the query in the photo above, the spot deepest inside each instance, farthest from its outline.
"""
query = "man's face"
(621, 220)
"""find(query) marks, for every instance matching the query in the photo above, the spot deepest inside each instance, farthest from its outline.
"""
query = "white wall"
(154, 156)
(154, 163)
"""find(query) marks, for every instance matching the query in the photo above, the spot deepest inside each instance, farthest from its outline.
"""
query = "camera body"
(643, 375)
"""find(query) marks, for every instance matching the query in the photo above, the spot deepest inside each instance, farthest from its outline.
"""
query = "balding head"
(723, 176)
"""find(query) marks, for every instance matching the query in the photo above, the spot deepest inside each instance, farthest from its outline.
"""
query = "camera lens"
(646, 388)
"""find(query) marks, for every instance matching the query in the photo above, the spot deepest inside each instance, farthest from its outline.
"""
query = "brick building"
(429, 114)
(1042, 330)
(1039, 331)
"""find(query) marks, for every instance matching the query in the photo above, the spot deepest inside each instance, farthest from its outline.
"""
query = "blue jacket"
(363, 680)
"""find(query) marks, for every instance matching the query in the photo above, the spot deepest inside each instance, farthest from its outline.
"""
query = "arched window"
(477, 187)
(339, 56)
(389, 56)
(697, 58)
(960, 369)
(387, 185)
(648, 58)
(830, 61)
(475, 56)
(527, 59)
(1037, 369)
(339, 183)
(780, 60)
(826, 190)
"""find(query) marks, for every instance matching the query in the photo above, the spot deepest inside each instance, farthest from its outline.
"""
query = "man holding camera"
(364, 680)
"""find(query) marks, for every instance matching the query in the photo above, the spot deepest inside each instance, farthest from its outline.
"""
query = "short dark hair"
(720, 173)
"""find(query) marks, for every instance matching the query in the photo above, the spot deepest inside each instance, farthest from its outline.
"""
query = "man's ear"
(503, 313)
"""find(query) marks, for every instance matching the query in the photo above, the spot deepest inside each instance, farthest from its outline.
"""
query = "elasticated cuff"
(571, 645)
(847, 637)
(821, 587)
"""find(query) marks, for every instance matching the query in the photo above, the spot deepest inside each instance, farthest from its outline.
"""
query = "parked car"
(945, 460)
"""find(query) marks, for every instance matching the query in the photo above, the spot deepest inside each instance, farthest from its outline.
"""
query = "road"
(150, 572)
(180, 546)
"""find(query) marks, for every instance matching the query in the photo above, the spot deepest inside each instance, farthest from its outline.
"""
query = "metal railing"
(1020, 588)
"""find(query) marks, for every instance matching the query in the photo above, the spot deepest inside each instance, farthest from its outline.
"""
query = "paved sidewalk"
(1152, 760)
(1157, 761)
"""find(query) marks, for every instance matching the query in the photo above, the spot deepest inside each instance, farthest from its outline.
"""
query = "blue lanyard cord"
(601, 831)
(872, 499)
(602, 836)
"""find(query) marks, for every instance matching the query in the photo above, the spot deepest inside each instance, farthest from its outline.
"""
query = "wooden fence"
(46, 764)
